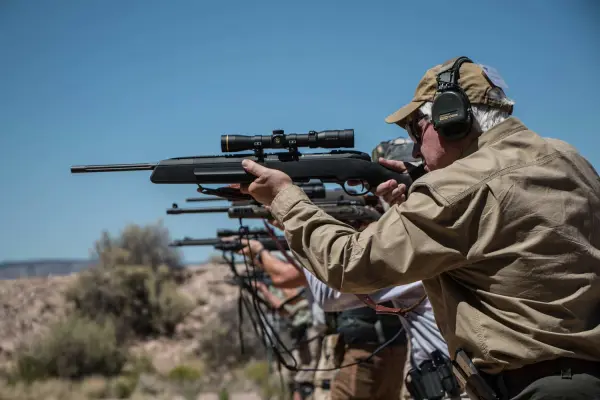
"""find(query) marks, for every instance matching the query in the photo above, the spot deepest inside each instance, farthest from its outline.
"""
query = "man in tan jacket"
(503, 230)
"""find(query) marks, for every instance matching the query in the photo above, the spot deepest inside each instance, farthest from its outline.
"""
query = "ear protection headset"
(451, 110)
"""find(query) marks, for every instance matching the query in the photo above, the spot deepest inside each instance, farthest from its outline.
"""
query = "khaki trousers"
(380, 378)
(323, 379)
(306, 355)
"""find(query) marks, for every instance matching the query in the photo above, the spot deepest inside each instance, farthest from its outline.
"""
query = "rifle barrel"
(211, 198)
(77, 169)
(195, 242)
(203, 210)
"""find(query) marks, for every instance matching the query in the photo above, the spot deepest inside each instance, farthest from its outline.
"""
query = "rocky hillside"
(206, 339)
(26, 307)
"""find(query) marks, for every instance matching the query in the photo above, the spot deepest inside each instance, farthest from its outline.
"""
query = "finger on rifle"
(397, 197)
(254, 168)
(395, 165)
(244, 188)
(401, 189)
(386, 187)
(400, 199)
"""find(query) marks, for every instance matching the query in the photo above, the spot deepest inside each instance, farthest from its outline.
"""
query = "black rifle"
(344, 211)
(244, 280)
(337, 166)
(243, 231)
(230, 245)
(327, 197)
(331, 198)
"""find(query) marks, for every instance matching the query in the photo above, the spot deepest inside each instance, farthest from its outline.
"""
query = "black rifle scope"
(278, 140)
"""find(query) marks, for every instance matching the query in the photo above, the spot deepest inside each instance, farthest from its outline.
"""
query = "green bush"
(258, 371)
(123, 386)
(141, 301)
(138, 245)
(186, 373)
(139, 364)
(219, 344)
(223, 394)
(73, 348)
(135, 283)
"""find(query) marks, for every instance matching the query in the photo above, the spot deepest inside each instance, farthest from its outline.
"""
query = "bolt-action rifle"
(337, 166)
(233, 244)
(324, 197)
(344, 211)
(243, 232)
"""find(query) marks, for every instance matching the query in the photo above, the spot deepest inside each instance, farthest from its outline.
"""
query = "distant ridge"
(44, 267)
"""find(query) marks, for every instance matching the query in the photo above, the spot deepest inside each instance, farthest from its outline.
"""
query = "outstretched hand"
(391, 191)
(251, 247)
(268, 183)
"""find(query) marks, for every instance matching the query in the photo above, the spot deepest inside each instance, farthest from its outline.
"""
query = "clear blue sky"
(91, 82)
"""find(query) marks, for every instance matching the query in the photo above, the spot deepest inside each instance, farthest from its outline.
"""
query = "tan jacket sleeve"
(419, 239)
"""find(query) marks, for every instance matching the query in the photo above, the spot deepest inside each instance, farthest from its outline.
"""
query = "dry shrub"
(73, 348)
(260, 373)
(138, 245)
(142, 302)
(219, 341)
(187, 372)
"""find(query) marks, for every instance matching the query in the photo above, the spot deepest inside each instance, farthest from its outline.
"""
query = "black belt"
(364, 326)
(371, 336)
(518, 379)
(297, 333)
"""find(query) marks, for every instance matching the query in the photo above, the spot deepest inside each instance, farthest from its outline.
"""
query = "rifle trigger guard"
(353, 193)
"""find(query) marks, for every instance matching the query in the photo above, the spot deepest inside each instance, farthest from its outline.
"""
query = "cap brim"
(400, 116)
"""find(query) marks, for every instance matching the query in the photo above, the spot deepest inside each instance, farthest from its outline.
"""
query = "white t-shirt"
(318, 314)
(419, 323)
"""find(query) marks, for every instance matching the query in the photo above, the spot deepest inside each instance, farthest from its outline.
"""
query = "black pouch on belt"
(364, 326)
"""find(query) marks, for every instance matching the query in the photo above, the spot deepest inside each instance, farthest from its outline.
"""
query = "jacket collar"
(503, 129)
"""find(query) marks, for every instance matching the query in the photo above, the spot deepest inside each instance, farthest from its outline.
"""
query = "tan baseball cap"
(473, 80)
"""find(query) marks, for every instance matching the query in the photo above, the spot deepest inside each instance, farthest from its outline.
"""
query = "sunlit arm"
(417, 240)
(282, 273)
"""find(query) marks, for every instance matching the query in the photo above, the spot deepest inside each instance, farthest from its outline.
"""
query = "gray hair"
(486, 117)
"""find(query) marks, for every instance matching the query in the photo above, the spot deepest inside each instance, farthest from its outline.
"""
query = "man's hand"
(391, 191)
(251, 247)
(268, 182)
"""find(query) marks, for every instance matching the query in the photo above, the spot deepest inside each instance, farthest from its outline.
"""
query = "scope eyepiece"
(330, 139)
